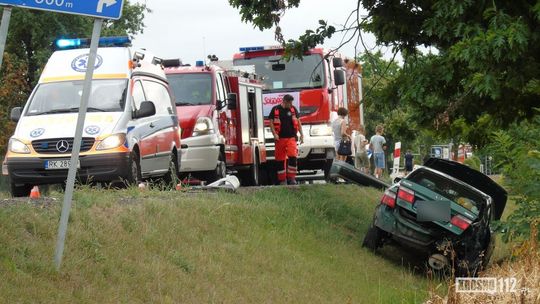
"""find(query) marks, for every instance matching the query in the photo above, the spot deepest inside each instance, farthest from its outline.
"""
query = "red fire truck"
(316, 83)
(220, 113)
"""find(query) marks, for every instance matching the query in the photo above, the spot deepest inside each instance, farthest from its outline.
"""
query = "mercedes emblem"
(62, 146)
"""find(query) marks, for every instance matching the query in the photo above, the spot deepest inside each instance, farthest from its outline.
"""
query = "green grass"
(296, 245)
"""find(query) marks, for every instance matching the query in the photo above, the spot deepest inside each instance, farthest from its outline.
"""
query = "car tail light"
(406, 195)
(389, 199)
(460, 222)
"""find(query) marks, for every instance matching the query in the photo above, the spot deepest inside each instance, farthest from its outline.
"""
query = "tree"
(13, 92)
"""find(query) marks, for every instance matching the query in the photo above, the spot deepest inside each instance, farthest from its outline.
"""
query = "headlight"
(111, 142)
(17, 146)
(203, 126)
(320, 131)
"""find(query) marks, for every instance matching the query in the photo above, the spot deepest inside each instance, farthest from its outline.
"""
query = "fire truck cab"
(220, 114)
(316, 83)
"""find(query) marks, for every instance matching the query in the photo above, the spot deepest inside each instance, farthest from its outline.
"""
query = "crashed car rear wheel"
(373, 238)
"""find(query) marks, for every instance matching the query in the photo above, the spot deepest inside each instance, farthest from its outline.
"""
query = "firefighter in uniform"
(285, 126)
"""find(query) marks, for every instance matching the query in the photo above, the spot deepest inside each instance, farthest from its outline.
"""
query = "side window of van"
(138, 94)
(159, 95)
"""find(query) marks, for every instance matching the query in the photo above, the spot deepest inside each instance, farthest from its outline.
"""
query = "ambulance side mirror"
(16, 114)
(146, 109)
(232, 101)
(339, 77)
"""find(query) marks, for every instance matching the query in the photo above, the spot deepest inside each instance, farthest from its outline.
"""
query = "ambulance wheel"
(171, 178)
(19, 191)
(134, 174)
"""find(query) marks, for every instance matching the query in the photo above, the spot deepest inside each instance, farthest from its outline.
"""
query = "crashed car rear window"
(450, 189)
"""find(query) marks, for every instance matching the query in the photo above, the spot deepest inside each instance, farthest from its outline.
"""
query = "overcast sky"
(190, 30)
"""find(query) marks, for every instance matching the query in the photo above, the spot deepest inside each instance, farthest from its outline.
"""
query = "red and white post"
(397, 155)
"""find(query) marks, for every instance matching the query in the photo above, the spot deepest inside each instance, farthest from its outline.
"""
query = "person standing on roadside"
(285, 127)
(339, 128)
(361, 160)
(378, 145)
(408, 162)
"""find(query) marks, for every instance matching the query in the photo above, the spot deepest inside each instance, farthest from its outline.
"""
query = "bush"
(516, 154)
(473, 162)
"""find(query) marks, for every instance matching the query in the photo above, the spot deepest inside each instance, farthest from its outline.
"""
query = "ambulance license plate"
(59, 164)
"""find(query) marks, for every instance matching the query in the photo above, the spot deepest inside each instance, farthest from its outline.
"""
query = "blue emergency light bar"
(74, 43)
(251, 48)
(260, 48)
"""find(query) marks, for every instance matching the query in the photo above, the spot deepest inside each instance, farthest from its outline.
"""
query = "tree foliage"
(13, 92)
(516, 153)
(485, 74)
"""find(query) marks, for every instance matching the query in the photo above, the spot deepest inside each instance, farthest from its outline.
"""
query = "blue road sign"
(107, 9)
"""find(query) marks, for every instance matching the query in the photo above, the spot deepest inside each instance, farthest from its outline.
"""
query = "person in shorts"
(377, 143)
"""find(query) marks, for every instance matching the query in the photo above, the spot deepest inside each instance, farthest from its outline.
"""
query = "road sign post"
(6, 16)
(70, 183)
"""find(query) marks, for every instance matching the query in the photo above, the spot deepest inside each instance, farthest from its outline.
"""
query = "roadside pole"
(6, 16)
(70, 183)
(397, 155)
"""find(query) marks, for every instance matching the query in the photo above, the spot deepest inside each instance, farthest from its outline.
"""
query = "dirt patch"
(43, 202)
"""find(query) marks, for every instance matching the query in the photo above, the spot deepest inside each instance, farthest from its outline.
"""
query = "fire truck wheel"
(251, 176)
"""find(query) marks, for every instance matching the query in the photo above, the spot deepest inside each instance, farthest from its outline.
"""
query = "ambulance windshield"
(191, 89)
(65, 97)
(296, 74)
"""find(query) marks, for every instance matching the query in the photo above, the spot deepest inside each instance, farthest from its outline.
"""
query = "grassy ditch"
(271, 245)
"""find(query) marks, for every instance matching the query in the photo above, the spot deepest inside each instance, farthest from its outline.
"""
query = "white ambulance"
(131, 130)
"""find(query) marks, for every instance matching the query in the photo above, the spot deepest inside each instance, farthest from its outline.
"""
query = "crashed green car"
(444, 209)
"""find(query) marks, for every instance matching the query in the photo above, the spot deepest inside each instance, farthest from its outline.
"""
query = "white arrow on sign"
(102, 3)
